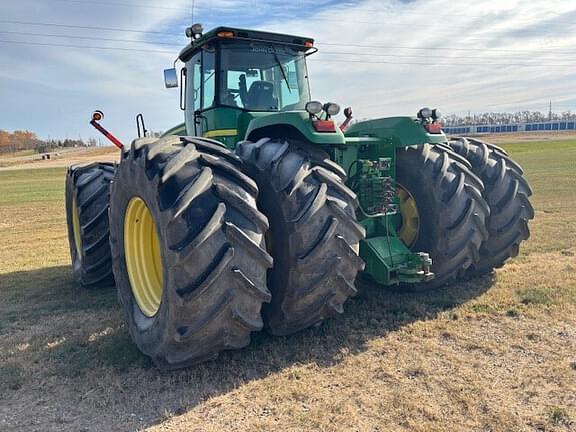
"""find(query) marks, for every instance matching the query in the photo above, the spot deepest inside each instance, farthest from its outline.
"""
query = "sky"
(382, 57)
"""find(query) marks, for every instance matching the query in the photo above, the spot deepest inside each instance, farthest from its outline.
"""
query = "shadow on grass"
(375, 312)
(27, 297)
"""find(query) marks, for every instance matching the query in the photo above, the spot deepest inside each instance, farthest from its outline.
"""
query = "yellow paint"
(410, 227)
(143, 257)
(221, 133)
(76, 230)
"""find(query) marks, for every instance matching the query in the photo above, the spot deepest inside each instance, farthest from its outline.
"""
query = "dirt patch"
(62, 158)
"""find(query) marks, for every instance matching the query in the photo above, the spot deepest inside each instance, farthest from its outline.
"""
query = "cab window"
(263, 77)
(195, 80)
(208, 77)
(202, 86)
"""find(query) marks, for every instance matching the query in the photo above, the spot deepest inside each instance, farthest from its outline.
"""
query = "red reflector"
(434, 127)
(309, 44)
(225, 34)
(324, 126)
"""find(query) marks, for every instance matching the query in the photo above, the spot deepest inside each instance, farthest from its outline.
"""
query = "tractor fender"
(398, 131)
(295, 124)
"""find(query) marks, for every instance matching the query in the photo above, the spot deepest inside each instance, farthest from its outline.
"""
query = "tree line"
(12, 142)
(498, 118)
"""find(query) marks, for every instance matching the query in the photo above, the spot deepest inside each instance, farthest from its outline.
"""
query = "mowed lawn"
(492, 354)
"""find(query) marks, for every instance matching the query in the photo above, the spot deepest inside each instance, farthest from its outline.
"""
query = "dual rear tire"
(507, 193)
(473, 206)
(189, 250)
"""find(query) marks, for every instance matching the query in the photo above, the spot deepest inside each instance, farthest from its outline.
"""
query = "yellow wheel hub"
(76, 230)
(410, 227)
(143, 257)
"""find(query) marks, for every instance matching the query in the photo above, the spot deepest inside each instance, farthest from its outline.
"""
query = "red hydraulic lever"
(98, 116)
(348, 115)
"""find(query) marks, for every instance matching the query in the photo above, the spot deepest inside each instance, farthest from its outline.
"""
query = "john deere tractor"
(260, 211)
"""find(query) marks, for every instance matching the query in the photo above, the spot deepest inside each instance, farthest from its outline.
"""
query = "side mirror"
(170, 78)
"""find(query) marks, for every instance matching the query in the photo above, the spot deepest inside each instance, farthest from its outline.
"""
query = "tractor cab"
(233, 76)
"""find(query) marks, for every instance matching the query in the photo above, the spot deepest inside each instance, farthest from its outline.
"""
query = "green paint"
(179, 130)
(400, 131)
(298, 121)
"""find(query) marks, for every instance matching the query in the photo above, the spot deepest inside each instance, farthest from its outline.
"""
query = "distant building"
(554, 125)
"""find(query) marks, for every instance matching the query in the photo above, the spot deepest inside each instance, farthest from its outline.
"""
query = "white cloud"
(476, 29)
(53, 90)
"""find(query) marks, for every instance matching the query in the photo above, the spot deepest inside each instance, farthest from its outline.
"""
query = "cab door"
(200, 90)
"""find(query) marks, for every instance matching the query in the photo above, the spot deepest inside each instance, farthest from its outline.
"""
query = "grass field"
(492, 354)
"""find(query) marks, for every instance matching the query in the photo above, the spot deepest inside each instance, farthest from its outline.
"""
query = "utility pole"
(550, 112)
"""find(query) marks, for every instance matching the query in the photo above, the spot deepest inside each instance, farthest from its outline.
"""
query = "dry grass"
(528, 136)
(61, 158)
(493, 354)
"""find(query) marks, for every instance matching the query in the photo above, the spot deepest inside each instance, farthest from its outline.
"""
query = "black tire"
(88, 187)
(313, 230)
(212, 246)
(507, 193)
(451, 209)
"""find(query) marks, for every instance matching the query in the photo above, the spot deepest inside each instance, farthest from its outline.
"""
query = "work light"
(314, 107)
(194, 31)
(332, 109)
(425, 113)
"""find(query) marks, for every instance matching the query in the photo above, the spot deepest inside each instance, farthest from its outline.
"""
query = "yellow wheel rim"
(76, 230)
(410, 227)
(143, 257)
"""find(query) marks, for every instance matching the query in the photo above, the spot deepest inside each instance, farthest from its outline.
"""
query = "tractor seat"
(261, 96)
(229, 99)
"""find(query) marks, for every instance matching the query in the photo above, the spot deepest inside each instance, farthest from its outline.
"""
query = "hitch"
(97, 116)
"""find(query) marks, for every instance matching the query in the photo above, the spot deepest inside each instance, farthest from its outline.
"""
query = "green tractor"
(260, 211)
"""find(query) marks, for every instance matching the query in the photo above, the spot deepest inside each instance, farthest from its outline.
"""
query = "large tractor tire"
(188, 246)
(507, 192)
(314, 236)
(443, 211)
(87, 204)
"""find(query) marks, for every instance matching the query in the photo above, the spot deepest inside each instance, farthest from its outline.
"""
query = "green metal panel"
(179, 130)
(398, 131)
(222, 124)
(230, 125)
(300, 120)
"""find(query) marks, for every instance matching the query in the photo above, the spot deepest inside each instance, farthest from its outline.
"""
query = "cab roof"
(238, 34)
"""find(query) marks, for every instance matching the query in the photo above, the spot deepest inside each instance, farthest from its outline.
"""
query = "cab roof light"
(226, 34)
(195, 31)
